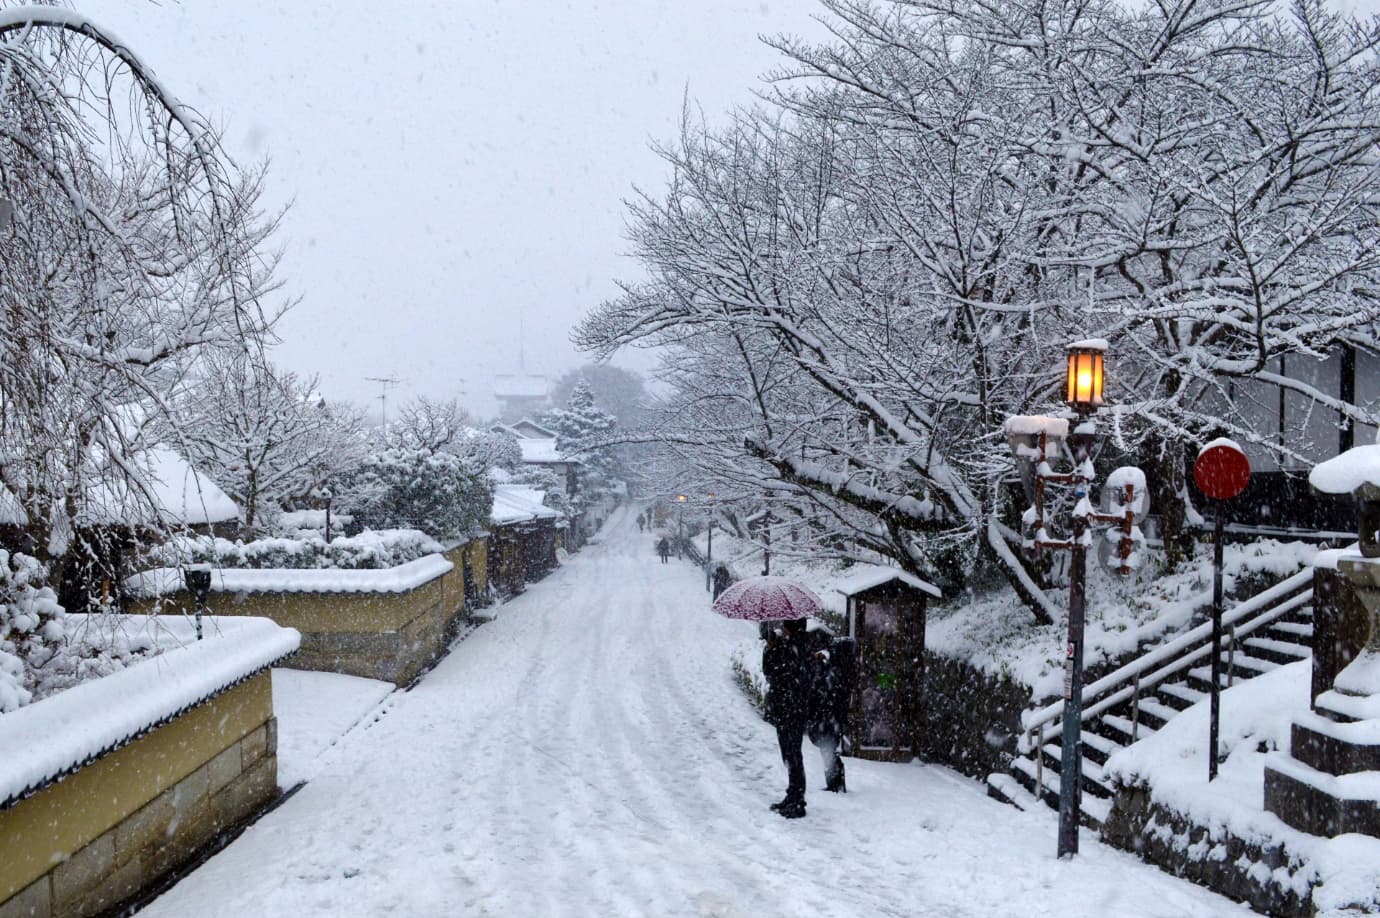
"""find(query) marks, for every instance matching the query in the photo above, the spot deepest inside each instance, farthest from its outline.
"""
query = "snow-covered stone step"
(1255, 665)
(1094, 808)
(1245, 668)
(1277, 651)
(1004, 787)
(1122, 725)
(1049, 783)
(1156, 711)
(1100, 743)
(1094, 779)
(1302, 630)
(1182, 692)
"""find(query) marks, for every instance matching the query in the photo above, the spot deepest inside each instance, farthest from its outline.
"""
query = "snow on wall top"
(1343, 474)
(540, 451)
(53, 737)
(164, 581)
(876, 576)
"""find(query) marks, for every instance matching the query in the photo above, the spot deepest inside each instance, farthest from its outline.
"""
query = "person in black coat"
(722, 579)
(786, 665)
(663, 548)
(832, 688)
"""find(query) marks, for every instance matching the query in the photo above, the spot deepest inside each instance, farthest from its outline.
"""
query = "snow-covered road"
(589, 754)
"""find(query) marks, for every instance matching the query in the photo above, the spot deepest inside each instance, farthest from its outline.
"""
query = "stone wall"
(99, 836)
(970, 720)
(1268, 878)
(387, 636)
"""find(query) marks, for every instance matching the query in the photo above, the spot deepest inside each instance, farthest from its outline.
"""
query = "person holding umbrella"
(787, 664)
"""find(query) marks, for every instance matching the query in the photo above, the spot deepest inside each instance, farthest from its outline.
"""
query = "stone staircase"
(1259, 634)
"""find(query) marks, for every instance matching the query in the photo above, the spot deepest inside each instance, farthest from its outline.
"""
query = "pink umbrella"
(766, 599)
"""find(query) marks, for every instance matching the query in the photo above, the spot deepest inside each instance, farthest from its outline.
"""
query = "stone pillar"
(1329, 781)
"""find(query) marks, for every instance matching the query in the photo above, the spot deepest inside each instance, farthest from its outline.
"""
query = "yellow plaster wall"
(40, 832)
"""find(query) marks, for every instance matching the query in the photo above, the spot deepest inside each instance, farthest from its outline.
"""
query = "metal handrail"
(1180, 653)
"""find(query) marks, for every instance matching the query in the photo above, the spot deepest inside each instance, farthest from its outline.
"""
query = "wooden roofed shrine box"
(886, 617)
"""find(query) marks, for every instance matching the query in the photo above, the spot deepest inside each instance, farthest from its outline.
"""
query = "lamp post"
(680, 525)
(1035, 440)
(709, 548)
(198, 581)
(1084, 396)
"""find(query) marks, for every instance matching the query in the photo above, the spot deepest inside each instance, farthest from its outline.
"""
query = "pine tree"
(583, 432)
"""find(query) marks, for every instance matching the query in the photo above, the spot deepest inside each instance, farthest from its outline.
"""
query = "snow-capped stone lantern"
(1328, 783)
(1355, 472)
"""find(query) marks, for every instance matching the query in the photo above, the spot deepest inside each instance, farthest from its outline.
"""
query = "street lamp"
(198, 581)
(680, 525)
(709, 548)
(1035, 441)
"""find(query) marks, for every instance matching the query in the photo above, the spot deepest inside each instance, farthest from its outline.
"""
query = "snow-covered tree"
(584, 433)
(397, 487)
(857, 284)
(131, 246)
(31, 627)
(265, 435)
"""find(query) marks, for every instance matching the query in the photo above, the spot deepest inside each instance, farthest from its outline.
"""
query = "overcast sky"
(451, 167)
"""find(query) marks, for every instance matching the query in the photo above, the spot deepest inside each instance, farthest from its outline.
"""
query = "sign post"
(1222, 471)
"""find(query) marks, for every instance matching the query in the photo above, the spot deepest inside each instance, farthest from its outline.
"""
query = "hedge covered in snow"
(370, 550)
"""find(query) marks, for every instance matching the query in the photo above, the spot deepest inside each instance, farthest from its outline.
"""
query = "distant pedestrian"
(831, 689)
(641, 522)
(786, 664)
(722, 578)
(663, 548)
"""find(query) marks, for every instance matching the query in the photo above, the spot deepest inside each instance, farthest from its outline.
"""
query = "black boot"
(791, 810)
(836, 785)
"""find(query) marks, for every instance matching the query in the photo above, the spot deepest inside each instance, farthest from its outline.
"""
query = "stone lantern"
(1326, 784)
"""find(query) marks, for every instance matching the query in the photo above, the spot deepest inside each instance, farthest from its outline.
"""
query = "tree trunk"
(1167, 473)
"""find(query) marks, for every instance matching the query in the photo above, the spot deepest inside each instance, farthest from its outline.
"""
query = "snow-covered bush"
(436, 492)
(31, 627)
(370, 550)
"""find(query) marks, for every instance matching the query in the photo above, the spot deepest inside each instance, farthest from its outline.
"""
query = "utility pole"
(385, 382)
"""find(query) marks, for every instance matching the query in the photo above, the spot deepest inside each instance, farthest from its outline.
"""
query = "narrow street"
(589, 754)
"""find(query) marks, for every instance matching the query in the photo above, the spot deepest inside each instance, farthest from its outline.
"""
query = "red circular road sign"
(1222, 470)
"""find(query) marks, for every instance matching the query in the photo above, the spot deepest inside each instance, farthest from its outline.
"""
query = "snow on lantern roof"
(1088, 344)
(53, 737)
(1349, 472)
(877, 576)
